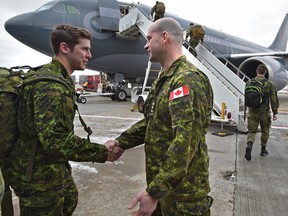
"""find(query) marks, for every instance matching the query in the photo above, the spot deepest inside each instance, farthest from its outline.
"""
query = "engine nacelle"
(276, 70)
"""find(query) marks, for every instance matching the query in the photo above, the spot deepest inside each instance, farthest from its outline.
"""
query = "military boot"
(248, 151)
(263, 152)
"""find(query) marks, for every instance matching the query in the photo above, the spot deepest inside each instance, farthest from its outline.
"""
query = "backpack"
(10, 81)
(254, 93)
(160, 8)
(198, 32)
(11, 84)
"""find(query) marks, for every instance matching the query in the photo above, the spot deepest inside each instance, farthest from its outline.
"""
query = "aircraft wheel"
(113, 97)
(82, 100)
(120, 95)
(140, 103)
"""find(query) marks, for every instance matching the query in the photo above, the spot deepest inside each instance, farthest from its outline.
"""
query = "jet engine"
(276, 70)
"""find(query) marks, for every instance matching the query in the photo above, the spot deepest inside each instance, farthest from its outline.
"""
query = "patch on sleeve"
(179, 92)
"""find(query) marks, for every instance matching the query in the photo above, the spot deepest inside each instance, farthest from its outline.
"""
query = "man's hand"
(147, 204)
(114, 150)
(274, 117)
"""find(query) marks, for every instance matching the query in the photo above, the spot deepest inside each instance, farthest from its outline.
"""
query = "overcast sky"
(254, 20)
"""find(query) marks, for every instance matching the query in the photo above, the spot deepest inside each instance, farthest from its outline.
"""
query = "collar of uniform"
(260, 77)
(63, 69)
(173, 68)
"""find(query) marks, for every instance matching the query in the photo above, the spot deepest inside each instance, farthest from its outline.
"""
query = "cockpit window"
(45, 7)
(65, 8)
(59, 8)
(72, 9)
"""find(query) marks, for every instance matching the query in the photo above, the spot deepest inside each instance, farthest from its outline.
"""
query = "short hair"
(68, 34)
(261, 69)
(192, 24)
(171, 26)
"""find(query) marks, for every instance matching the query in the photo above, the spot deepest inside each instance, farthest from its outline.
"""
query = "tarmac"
(239, 187)
(261, 186)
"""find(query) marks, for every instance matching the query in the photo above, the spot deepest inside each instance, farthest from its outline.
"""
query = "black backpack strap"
(86, 128)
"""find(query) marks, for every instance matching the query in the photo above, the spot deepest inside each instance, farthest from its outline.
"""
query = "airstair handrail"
(229, 79)
(143, 12)
(212, 49)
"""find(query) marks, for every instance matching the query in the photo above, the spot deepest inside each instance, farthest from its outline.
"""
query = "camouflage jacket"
(47, 115)
(270, 95)
(189, 33)
(173, 130)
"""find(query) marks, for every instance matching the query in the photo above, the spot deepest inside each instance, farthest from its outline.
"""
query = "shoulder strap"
(44, 77)
(86, 128)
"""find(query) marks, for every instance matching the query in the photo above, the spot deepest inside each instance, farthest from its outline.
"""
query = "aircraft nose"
(20, 27)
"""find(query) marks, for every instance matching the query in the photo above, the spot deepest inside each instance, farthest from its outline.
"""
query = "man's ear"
(64, 48)
(164, 37)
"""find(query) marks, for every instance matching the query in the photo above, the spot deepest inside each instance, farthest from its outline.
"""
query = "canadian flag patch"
(179, 92)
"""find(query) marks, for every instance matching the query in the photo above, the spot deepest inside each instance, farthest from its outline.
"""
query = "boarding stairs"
(133, 23)
(228, 88)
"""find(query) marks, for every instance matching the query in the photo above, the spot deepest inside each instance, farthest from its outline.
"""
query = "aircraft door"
(109, 15)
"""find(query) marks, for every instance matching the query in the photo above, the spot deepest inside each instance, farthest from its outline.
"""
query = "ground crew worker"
(158, 11)
(44, 184)
(85, 86)
(177, 114)
(193, 39)
(262, 115)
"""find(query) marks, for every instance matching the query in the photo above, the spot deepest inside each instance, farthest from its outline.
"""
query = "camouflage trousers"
(168, 207)
(58, 202)
(254, 119)
(193, 43)
(7, 203)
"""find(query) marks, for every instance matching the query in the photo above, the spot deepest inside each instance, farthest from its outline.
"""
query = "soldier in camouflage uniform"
(41, 174)
(155, 14)
(193, 42)
(177, 114)
(262, 115)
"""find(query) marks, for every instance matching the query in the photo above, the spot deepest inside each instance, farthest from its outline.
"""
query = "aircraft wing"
(248, 55)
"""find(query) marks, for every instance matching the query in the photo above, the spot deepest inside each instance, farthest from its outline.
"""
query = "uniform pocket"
(43, 199)
(195, 208)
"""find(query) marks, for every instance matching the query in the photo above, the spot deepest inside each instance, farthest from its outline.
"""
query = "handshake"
(114, 150)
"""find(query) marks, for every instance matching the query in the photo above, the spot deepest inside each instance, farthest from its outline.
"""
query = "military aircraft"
(123, 58)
